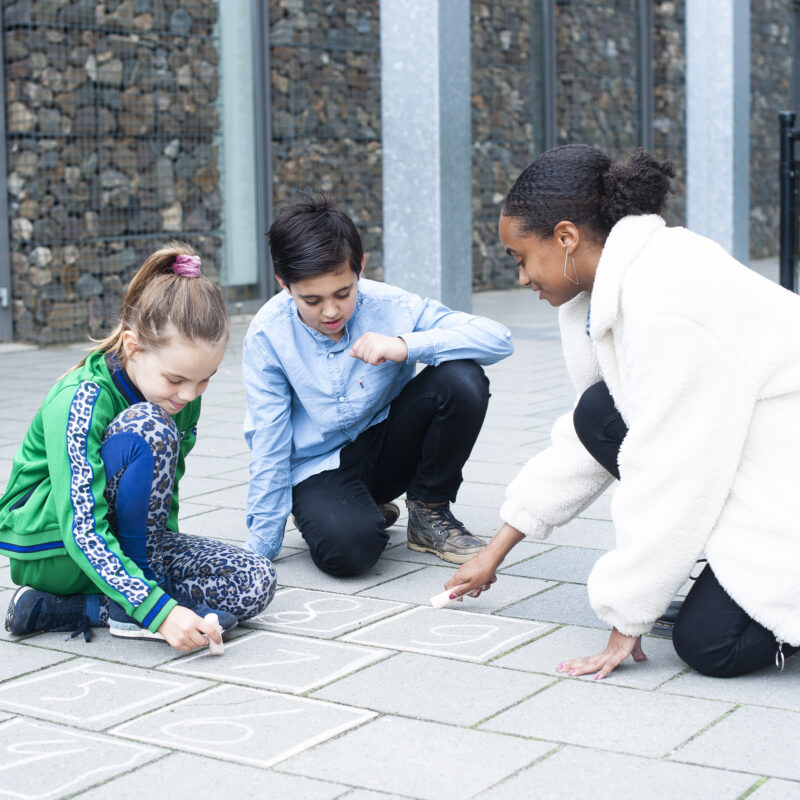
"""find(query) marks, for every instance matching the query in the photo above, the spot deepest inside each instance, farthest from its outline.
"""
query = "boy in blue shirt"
(337, 423)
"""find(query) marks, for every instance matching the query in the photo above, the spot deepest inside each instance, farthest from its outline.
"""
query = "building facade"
(131, 122)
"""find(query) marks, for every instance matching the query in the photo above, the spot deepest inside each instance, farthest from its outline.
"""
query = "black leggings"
(712, 634)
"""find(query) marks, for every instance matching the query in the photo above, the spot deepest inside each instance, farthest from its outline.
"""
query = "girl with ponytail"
(89, 516)
(686, 366)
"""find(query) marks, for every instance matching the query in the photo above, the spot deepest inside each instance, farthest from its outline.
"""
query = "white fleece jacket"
(702, 358)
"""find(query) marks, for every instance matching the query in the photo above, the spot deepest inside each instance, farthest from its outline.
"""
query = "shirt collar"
(122, 381)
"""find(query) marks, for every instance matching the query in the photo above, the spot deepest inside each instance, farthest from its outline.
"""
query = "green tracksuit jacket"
(54, 503)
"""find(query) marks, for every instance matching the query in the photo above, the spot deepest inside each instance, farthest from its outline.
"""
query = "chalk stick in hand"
(214, 648)
(443, 598)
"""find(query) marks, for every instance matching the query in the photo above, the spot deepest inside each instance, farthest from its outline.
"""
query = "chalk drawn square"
(250, 726)
(321, 614)
(93, 694)
(41, 761)
(442, 632)
(277, 661)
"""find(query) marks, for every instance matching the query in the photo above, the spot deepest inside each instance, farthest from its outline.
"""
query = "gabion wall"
(111, 123)
(669, 101)
(504, 140)
(770, 92)
(326, 109)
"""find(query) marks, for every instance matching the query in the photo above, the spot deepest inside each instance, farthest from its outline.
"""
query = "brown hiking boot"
(432, 528)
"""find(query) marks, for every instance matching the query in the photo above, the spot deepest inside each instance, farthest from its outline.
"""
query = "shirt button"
(330, 355)
(341, 399)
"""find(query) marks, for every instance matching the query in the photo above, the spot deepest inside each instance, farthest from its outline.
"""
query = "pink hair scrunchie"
(187, 266)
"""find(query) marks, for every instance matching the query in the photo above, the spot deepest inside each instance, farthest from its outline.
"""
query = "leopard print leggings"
(192, 569)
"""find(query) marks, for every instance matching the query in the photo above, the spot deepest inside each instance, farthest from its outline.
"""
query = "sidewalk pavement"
(357, 688)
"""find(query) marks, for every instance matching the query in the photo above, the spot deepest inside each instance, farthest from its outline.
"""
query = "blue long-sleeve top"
(307, 397)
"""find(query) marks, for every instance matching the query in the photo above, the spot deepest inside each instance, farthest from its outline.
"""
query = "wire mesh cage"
(111, 123)
(326, 112)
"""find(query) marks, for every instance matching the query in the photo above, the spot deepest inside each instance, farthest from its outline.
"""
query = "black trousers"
(419, 449)
(712, 634)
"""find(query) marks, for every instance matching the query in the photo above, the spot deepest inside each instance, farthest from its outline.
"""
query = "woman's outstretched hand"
(619, 647)
(478, 574)
(475, 576)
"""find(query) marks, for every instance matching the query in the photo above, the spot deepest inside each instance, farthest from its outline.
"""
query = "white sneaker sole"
(135, 633)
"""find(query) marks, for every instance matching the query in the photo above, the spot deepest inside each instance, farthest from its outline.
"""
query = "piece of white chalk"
(214, 648)
(442, 599)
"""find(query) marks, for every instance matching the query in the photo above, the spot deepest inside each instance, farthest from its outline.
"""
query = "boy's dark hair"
(312, 236)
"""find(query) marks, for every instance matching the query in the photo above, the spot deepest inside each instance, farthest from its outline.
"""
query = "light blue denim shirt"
(307, 397)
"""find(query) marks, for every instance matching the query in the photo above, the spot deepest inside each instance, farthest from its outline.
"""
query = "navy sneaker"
(125, 627)
(31, 611)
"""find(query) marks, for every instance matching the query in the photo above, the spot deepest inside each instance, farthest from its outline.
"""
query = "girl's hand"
(619, 647)
(184, 629)
(375, 348)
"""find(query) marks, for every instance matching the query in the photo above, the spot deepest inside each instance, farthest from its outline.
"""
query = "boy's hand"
(375, 348)
(184, 629)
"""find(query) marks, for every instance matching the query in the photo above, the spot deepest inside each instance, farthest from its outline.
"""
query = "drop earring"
(574, 280)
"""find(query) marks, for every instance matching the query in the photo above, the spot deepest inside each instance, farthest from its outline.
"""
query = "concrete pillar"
(427, 145)
(718, 122)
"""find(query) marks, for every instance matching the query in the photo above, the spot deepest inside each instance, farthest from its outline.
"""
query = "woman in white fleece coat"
(687, 370)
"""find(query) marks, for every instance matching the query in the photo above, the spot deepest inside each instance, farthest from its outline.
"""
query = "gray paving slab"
(40, 760)
(200, 485)
(598, 534)
(219, 445)
(438, 689)
(418, 587)
(269, 660)
(546, 652)
(496, 453)
(16, 660)
(485, 472)
(443, 632)
(601, 508)
(565, 603)
(733, 743)
(5, 577)
(775, 789)
(767, 687)
(300, 571)
(108, 648)
(211, 733)
(248, 726)
(93, 695)
(577, 772)
(570, 564)
(406, 757)
(321, 614)
(524, 550)
(482, 520)
(215, 523)
(625, 720)
(230, 497)
(191, 777)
